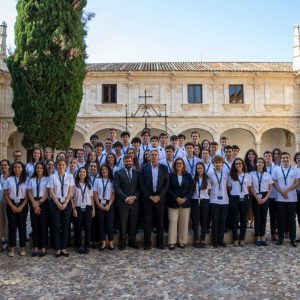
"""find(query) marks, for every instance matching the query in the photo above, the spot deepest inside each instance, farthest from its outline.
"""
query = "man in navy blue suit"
(154, 184)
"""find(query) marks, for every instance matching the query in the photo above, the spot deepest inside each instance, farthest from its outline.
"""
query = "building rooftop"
(192, 67)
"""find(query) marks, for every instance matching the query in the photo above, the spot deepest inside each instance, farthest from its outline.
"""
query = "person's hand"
(75, 214)
(93, 213)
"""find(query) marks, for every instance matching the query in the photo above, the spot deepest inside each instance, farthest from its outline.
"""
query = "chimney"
(296, 48)
(3, 36)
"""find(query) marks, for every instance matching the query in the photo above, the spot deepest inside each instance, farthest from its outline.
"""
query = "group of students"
(149, 182)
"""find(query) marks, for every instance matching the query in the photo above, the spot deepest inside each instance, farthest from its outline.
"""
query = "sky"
(184, 30)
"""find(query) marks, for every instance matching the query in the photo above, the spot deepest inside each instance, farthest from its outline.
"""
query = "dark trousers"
(238, 212)
(298, 207)
(106, 223)
(219, 215)
(17, 221)
(273, 216)
(286, 212)
(95, 230)
(158, 209)
(260, 216)
(83, 220)
(40, 226)
(60, 220)
(128, 215)
(199, 213)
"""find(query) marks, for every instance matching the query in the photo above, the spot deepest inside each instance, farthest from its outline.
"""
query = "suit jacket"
(183, 191)
(123, 187)
(146, 182)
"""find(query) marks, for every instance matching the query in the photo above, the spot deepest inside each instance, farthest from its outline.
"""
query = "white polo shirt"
(201, 193)
(261, 181)
(34, 184)
(241, 186)
(104, 188)
(61, 185)
(11, 185)
(286, 177)
(82, 195)
(218, 194)
(190, 164)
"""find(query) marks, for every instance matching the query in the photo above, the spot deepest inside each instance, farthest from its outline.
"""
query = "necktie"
(129, 175)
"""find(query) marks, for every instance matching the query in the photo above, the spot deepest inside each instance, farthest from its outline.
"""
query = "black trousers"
(17, 221)
(238, 212)
(199, 213)
(260, 216)
(298, 207)
(106, 223)
(286, 212)
(158, 209)
(219, 215)
(40, 225)
(273, 216)
(128, 215)
(60, 220)
(83, 220)
(95, 230)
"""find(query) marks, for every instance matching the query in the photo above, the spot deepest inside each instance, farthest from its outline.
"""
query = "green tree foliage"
(48, 69)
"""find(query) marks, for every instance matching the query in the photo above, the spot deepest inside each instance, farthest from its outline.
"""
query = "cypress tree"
(48, 69)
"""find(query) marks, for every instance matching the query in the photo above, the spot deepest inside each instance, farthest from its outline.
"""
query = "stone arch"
(247, 127)
(204, 134)
(197, 126)
(105, 127)
(14, 143)
(77, 139)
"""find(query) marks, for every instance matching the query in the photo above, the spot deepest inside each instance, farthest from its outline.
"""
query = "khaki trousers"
(178, 225)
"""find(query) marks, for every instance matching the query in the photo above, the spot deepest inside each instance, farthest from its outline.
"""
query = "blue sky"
(185, 30)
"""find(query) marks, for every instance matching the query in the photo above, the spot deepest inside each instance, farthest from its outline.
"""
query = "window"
(109, 93)
(194, 93)
(236, 93)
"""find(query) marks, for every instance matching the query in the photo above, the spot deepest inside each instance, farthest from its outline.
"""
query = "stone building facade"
(256, 105)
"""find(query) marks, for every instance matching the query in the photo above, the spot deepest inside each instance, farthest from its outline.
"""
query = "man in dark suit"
(154, 184)
(126, 186)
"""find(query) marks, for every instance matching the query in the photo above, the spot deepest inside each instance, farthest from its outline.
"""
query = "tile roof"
(192, 67)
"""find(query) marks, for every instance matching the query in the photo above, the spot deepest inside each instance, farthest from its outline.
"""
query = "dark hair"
(233, 171)
(2, 160)
(86, 179)
(247, 161)
(94, 162)
(196, 133)
(115, 160)
(228, 147)
(173, 137)
(99, 144)
(70, 149)
(223, 138)
(295, 156)
(124, 133)
(87, 144)
(45, 173)
(117, 144)
(110, 172)
(136, 140)
(62, 159)
(202, 143)
(170, 147)
(204, 177)
(134, 158)
(145, 161)
(285, 153)
(267, 152)
(23, 175)
(58, 154)
(163, 134)
(145, 131)
(214, 143)
(265, 165)
(235, 147)
(181, 135)
(94, 136)
(154, 137)
(189, 144)
(88, 161)
(174, 165)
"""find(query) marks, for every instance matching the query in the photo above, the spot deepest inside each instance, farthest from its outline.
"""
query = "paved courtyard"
(252, 272)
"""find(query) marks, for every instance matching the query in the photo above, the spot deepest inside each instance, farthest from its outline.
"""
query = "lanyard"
(104, 187)
(144, 147)
(124, 151)
(270, 170)
(62, 183)
(259, 180)
(100, 158)
(199, 187)
(227, 165)
(38, 184)
(17, 185)
(93, 181)
(285, 176)
(206, 170)
(191, 165)
(169, 167)
(138, 156)
(176, 153)
(118, 161)
(82, 192)
(219, 179)
(241, 182)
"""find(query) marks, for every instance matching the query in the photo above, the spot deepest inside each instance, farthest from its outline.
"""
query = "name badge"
(220, 197)
(259, 196)
(242, 198)
(17, 200)
(103, 202)
(62, 199)
(83, 209)
(198, 201)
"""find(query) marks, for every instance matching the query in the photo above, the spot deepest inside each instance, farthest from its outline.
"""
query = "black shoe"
(81, 250)
(279, 242)
(202, 245)
(293, 243)
(196, 245)
(161, 246)
(215, 245)
(133, 244)
(171, 247)
(264, 243)
(273, 238)
(122, 246)
(86, 251)
(65, 254)
(42, 254)
(147, 247)
(222, 244)
(181, 246)
(57, 255)
(34, 254)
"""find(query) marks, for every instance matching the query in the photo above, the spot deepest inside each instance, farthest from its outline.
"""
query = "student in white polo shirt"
(83, 210)
(177, 151)
(169, 160)
(286, 179)
(262, 186)
(190, 160)
(207, 161)
(228, 158)
(17, 207)
(239, 183)
(60, 187)
(218, 201)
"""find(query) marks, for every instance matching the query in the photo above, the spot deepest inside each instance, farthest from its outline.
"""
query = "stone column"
(257, 147)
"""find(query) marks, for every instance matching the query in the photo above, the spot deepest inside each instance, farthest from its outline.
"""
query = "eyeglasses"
(238, 164)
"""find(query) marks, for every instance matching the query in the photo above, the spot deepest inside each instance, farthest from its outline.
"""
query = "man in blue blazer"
(154, 184)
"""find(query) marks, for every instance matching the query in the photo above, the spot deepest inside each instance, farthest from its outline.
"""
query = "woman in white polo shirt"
(61, 189)
(239, 183)
(262, 185)
(83, 210)
(17, 207)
